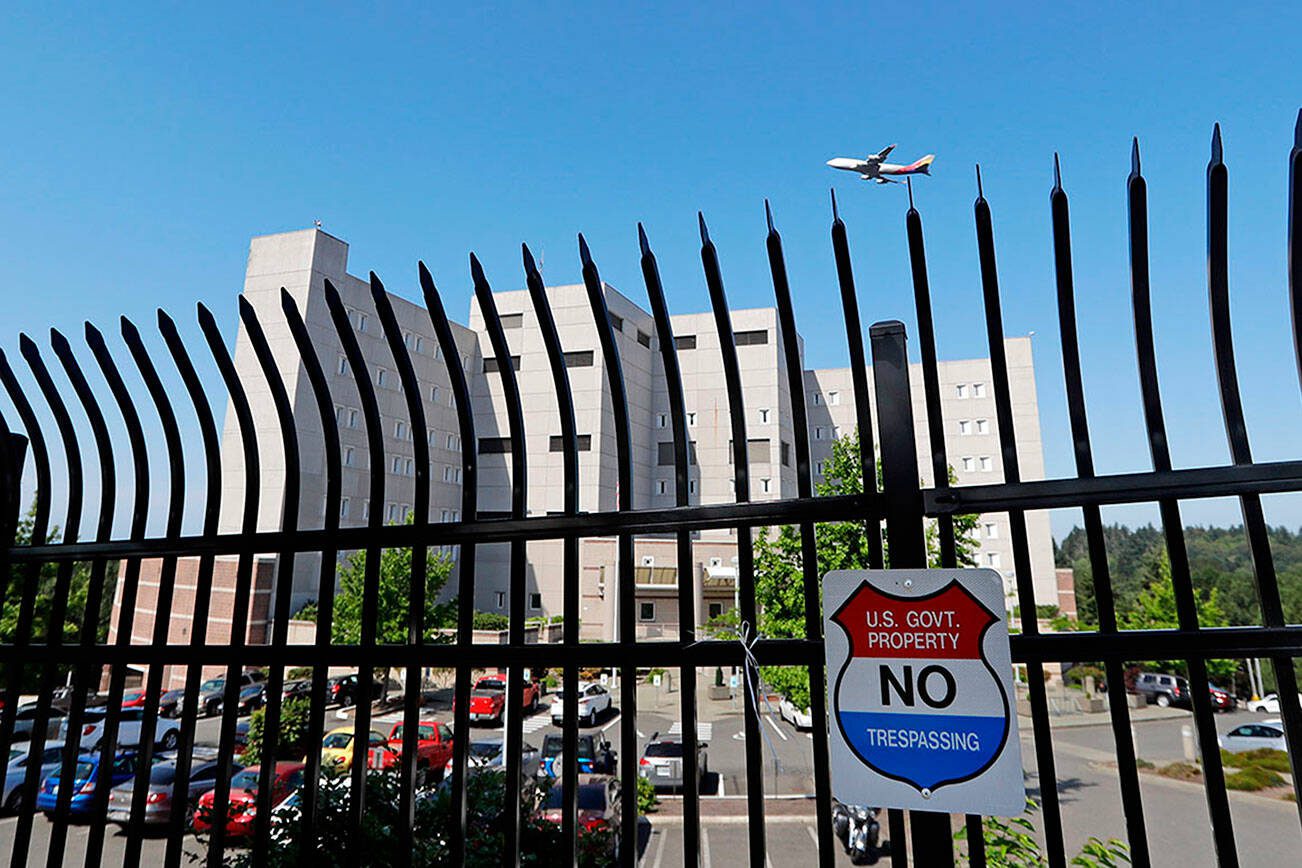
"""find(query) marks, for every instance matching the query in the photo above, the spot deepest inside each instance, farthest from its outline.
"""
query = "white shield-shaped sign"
(920, 684)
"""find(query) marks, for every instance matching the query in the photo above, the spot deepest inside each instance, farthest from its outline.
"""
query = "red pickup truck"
(433, 747)
(488, 698)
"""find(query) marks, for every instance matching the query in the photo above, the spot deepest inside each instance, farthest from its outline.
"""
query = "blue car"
(595, 756)
(87, 778)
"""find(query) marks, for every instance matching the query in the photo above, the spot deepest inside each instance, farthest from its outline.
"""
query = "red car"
(244, 796)
(433, 746)
(133, 699)
(488, 698)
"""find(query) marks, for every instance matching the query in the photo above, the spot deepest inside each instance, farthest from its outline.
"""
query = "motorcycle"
(859, 832)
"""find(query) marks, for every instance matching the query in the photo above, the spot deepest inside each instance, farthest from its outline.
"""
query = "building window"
(557, 443)
(456, 476)
(501, 599)
(818, 399)
(644, 339)
(662, 420)
(646, 611)
(343, 508)
(685, 342)
(512, 320)
(786, 454)
(691, 486)
(397, 464)
(665, 453)
(992, 530)
(392, 512)
(420, 344)
(616, 322)
(820, 433)
(992, 560)
(968, 464)
(983, 426)
(434, 395)
(716, 610)
(366, 509)
(818, 467)
(341, 415)
(449, 441)
(960, 391)
(964, 427)
(764, 416)
(662, 486)
(494, 445)
(535, 602)
(406, 513)
(349, 454)
(986, 465)
(445, 517)
(691, 419)
(579, 359)
(766, 486)
(833, 399)
(716, 562)
(491, 366)
(978, 390)
(758, 451)
(400, 429)
(381, 379)
(343, 365)
(751, 338)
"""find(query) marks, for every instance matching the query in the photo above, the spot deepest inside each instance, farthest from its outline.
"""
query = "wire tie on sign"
(749, 666)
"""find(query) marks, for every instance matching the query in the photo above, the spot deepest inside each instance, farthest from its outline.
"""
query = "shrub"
(1262, 758)
(789, 681)
(299, 672)
(1181, 771)
(646, 796)
(292, 743)
(1252, 778)
(490, 621)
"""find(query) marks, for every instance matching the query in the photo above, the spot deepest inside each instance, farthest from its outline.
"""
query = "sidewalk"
(1104, 718)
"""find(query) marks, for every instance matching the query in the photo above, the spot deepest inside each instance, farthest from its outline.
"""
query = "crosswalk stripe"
(704, 730)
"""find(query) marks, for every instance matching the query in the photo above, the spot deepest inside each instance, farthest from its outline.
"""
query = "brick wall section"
(181, 617)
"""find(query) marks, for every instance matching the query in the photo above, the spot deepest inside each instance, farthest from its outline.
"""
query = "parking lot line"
(660, 851)
(776, 728)
(705, 846)
(812, 834)
(614, 720)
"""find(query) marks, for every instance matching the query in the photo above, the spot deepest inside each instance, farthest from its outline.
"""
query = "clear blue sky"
(144, 148)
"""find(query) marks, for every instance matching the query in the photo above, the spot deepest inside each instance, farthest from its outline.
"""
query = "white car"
(167, 732)
(799, 718)
(594, 700)
(1251, 736)
(1268, 704)
(16, 772)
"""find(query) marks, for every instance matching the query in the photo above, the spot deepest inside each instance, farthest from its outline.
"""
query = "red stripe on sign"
(948, 624)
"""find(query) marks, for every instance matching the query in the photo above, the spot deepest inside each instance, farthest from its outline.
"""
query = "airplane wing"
(881, 155)
(883, 180)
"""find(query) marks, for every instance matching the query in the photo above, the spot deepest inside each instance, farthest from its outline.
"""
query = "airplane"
(871, 167)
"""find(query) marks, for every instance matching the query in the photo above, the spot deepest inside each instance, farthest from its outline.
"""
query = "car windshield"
(664, 748)
(163, 773)
(85, 770)
(245, 780)
(337, 739)
(423, 731)
(211, 684)
(485, 749)
(553, 744)
(15, 753)
(592, 797)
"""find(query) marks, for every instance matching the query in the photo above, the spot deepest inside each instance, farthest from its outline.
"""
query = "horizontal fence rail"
(100, 398)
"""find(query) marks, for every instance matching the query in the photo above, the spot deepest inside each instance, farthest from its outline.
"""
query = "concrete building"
(301, 261)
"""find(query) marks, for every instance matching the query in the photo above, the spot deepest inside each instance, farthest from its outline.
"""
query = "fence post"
(11, 478)
(932, 839)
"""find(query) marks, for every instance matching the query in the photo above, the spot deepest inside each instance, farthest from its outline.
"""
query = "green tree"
(292, 742)
(394, 594)
(839, 545)
(1155, 609)
(76, 617)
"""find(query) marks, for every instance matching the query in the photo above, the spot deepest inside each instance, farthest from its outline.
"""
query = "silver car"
(162, 779)
(662, 761)
(16, 771)
(1252, 736)
(488, 754)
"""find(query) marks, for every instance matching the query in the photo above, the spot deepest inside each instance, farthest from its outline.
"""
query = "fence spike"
(768, 215)
(1217, 156)
(705, 233)
(585, 256)
(980, 193)
(641, 239)
(1134, 157)
(836, 215)
(1057, 173)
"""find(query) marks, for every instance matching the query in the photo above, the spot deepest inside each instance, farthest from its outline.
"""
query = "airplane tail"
(923, 166)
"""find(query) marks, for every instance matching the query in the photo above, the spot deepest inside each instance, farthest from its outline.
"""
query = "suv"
(213, 691)
(595, 756)
(1163, 690)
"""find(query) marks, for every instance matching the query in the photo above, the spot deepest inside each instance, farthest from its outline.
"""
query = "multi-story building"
(301, 261)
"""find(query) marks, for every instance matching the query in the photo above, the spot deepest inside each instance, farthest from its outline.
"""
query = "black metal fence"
(902, 505)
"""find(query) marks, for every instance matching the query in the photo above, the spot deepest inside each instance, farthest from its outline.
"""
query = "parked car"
(1268, 704)
(241, 736)
(134, 698)
(662, 761)
(599, 806)
(297, 687)
(169, 704)
(594, 700)
(89, 776)
(487, 754)
(251, 698)
(61, 698)
(25, 721)
(1222, 699)
(162, 782)
(433, 747)
(595, 756)
(337, 751)
(167, 733)
(1251, 736)
(213, 691)
(1163, 690)
(287, 778)
(800, 718)
(16, 772)
(346, 689)
(488, 698)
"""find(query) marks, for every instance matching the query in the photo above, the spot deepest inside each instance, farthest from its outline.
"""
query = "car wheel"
(533, 706)
(14, 804)
(169, 741)
(592, 717)
(1163, 701)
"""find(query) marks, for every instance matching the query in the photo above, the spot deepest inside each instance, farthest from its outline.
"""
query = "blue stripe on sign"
(924, 749)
